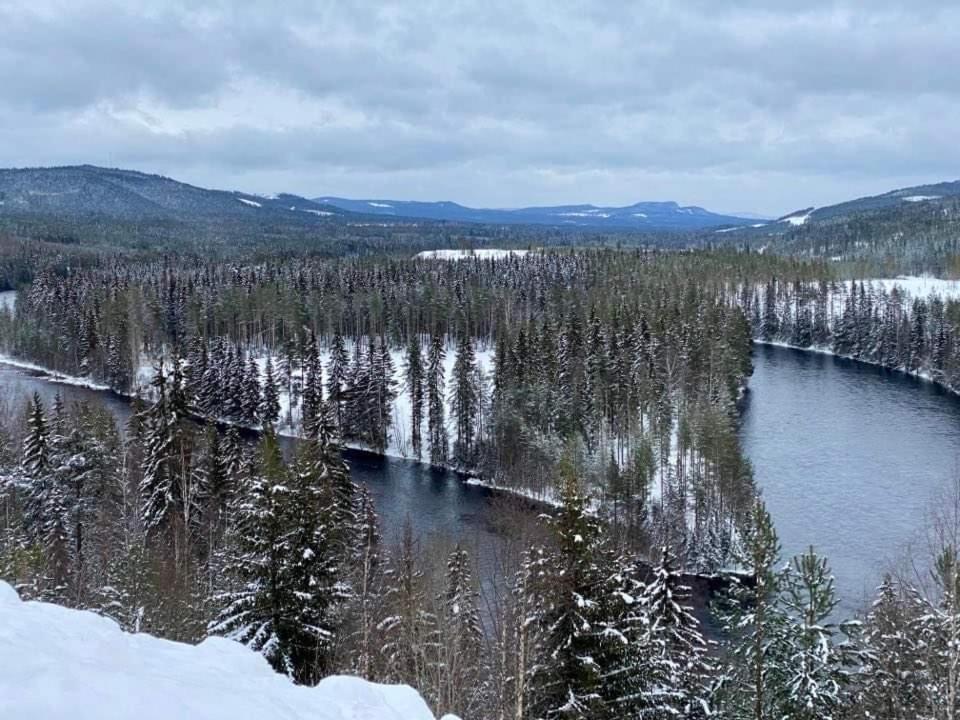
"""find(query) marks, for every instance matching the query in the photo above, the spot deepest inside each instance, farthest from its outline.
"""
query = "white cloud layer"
(738, 106)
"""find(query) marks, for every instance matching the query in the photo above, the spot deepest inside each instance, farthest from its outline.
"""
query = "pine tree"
(409, 628)
(893, 674)
(337, 371)
(756, 625)
(365, 605)
(36, 450)
(819, 667)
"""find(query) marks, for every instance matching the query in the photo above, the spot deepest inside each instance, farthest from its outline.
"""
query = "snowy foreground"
(61, 663)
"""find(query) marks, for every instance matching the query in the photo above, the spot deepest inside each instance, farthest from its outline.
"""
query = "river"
(437, 503)
(848, 457)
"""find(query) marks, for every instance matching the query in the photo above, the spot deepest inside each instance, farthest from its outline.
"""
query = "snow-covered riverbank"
(824, 350)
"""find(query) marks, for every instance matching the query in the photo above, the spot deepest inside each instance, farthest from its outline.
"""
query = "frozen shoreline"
(823, 350)
(468, 476)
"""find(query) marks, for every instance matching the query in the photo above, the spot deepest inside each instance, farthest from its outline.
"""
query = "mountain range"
(639, 216)
(87, 190)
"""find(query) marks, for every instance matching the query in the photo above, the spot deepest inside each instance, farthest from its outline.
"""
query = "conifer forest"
(596, 389)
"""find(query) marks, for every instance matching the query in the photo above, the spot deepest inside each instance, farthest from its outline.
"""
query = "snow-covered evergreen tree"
(436, 414)
(679, 669)
(821, 657)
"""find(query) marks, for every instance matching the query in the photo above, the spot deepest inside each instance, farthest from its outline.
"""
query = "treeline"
(284, 554)
(860, 321)
(629, 359)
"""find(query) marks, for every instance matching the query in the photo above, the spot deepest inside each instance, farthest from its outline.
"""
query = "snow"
(321, 213)
(589, 213)
(797, 219)
(643, 215)
(57, 663)
(758, 225)
(917, 285)
(8, 299)
(920, 198)
(379, 205)
(483, 254)
(251, 203)
(52, 375)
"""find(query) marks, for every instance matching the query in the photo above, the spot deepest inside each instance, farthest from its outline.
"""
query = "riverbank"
(824, 350)
(469, 477)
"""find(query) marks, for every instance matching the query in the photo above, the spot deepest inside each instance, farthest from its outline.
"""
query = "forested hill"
(917, 228)
(130, 195)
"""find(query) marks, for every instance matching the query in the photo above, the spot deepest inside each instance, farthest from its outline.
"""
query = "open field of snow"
(57, 663)
(919, 286)
(483, 254)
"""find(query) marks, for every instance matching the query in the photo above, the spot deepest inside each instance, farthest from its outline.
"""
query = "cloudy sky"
(733, 105)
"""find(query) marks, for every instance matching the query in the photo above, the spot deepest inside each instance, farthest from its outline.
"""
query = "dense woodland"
(633, 361)
(611, 389)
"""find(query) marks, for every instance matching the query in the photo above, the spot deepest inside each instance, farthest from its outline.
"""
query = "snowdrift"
(61, 663)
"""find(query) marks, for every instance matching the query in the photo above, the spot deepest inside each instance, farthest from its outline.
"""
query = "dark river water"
(848, 456)
(437, 503)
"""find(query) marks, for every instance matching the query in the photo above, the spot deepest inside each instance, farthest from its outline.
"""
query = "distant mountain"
(640, 216)
(86, 190)
(875, 207)
(918, 225)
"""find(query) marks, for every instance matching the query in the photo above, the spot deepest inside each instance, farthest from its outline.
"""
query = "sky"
(740, 106)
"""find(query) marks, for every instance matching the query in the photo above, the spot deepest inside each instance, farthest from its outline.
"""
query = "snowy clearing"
(251, 203)
(483, 254)
(921, 198)
(919, 286)
(379, 205)
(796, 220)
(60, 663)
(321, 213)
(8, 299)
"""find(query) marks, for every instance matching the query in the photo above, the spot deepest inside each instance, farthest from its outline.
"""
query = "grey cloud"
(441, 97)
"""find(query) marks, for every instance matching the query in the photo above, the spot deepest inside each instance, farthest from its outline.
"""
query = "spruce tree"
(679, 671)
(436, 412)
(415, 382)
(464, 399)
(569, 680)
(270, 405)
(461, 686)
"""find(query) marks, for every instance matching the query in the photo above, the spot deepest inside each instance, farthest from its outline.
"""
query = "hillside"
(918, 228)
(639, 216)
(61, 663)
(86, 190)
